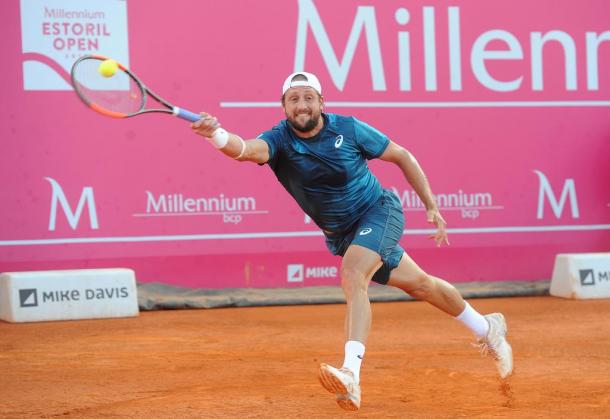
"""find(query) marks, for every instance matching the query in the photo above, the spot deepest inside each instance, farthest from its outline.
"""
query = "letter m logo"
(545, 190)
(364, 22)
(73, 217)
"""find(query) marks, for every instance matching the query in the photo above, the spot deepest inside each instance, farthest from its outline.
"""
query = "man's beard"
(307, 126)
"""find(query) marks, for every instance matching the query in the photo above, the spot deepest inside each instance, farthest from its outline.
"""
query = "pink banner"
(505, 105)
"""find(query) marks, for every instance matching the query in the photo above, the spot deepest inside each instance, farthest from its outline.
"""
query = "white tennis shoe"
(341, 382)
(496, 345)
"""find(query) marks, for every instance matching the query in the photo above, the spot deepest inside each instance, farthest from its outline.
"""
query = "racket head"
(119, 96)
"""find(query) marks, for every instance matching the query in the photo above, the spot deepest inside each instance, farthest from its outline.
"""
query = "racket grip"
(184, 114)
(220, 136)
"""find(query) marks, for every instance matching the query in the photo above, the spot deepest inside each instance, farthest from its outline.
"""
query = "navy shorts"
(380, 230)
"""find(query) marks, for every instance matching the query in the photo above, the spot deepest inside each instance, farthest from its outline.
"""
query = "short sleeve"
(371, 141)
(273, 139)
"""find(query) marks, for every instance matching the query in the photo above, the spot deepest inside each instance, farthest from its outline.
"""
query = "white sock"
(474, 321)
(354, 352)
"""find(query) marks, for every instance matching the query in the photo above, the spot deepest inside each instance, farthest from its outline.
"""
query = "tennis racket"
(119, 95)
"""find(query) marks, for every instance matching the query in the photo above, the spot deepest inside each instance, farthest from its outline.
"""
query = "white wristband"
(243, 148)
(220, 138)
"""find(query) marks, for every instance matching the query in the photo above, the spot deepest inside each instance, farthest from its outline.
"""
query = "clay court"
(262, 363)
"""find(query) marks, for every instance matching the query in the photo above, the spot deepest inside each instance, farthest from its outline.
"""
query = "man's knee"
(353, 281)
(422, 286)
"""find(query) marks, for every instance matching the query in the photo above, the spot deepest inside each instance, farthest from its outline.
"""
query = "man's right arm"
(255, 150)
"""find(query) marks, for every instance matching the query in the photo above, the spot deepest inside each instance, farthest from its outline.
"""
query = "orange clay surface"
(262, 363)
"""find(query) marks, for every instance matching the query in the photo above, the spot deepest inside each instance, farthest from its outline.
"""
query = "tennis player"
(320, 159)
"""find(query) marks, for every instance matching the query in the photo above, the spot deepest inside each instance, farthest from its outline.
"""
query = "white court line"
(496, 207)
(288, 234)
(471, 104)
(182, 214)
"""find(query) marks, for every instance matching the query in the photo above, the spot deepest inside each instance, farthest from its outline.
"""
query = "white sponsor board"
(67, 295)
(581, 275)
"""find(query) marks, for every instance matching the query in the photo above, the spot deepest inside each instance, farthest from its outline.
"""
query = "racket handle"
(184, 114)
(220, 136)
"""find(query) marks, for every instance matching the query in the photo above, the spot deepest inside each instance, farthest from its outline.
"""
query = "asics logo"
(365, 231)
(339, 141)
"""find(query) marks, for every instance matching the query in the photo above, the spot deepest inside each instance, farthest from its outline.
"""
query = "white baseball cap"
(310, 81)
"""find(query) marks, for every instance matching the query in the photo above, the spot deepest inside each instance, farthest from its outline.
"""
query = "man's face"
(303, 107)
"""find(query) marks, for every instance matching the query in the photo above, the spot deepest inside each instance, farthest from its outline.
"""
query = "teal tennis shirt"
(328, 174)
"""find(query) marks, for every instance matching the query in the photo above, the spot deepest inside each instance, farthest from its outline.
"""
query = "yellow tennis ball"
(108, 67)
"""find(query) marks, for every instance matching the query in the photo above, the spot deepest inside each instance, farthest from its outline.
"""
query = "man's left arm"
(416, 177)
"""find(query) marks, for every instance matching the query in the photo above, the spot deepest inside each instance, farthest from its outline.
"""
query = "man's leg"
(410, 278)
(490, 330)
(358, 266)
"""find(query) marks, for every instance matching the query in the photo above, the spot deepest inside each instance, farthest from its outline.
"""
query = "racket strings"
(117, 95)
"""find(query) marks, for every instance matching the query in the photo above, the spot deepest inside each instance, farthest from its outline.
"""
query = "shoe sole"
(346, 404)
(333, 385)
(504, 332)
(510, 370)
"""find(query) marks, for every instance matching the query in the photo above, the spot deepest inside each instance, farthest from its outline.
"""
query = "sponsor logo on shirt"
(339, 141)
